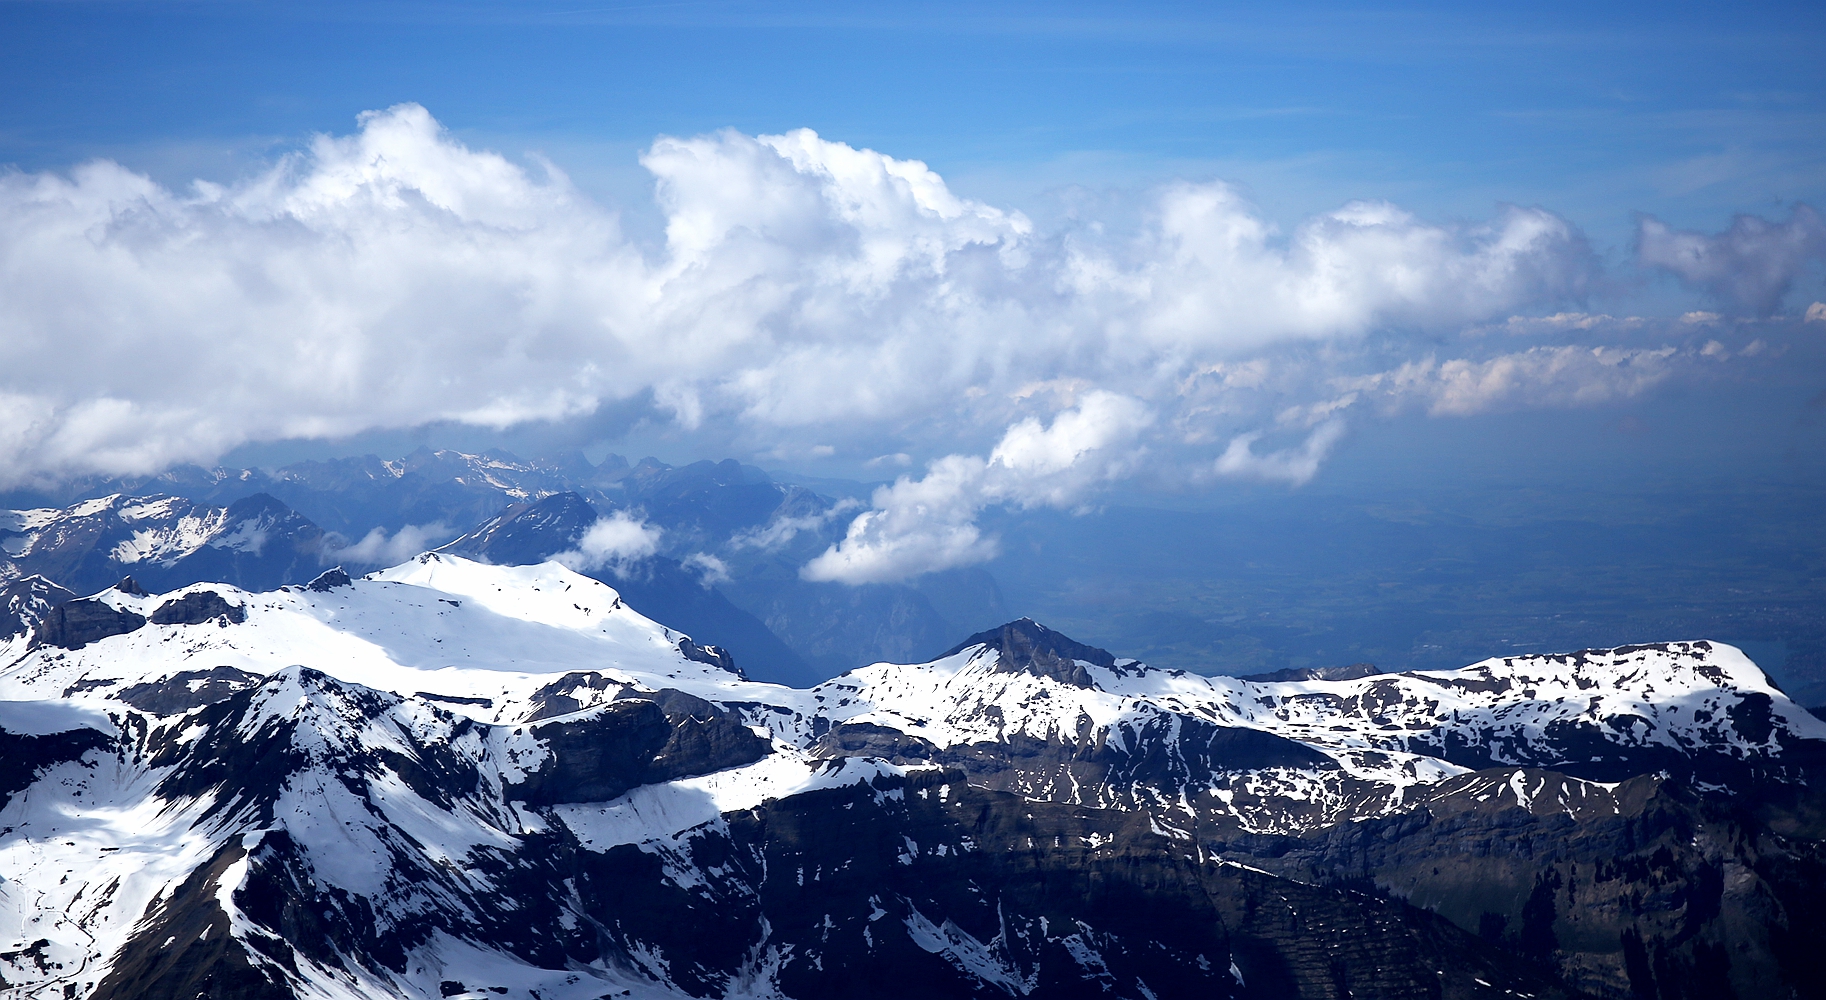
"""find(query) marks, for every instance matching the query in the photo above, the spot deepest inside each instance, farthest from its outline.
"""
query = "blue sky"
(1159, 247)
(1692, 112)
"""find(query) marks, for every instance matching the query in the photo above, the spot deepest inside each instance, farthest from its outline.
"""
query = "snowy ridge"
(474, 766)
(162, 529)
(488, 636)
(1383, 738)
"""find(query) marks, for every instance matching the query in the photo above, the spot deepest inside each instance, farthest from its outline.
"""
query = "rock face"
(198, 607)
(75, 624)
(1026, 646)
(454, 779)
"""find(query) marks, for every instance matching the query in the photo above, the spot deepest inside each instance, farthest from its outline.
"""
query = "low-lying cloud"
(615, 542)
(927, 524)
(377, 548)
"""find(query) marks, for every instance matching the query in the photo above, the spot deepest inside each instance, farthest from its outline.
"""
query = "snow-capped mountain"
(1072, 723)
(454, 779)
(754, 531)
(163, 541)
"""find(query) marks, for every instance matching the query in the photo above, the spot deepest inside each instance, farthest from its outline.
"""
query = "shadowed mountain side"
(24, 602)
(164, 542)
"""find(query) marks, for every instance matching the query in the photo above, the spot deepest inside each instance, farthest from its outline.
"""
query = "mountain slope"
(163, 541)
(459, 779)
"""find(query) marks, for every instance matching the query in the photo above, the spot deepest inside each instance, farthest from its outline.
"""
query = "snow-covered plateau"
(453, 779)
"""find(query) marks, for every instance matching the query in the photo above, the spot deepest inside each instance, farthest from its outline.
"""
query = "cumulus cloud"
(928, 524)
(1749, 267)
(394, 277)
(616, 542)
(376, 548)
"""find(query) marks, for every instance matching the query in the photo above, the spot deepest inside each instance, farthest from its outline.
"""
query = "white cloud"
(394, 277)
(710, 570)
(616, 542)
(776, 533)
(919, 526)
(377, 549)
(1748, 267)
(1537, 378)
(1295, 466)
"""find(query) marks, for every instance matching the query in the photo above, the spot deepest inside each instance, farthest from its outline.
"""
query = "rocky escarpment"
(1648, 887)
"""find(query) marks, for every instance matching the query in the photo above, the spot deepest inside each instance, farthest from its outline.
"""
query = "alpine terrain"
(466, 778)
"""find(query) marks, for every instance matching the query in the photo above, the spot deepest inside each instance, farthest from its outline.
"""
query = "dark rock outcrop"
(632, 742)
(198, 607)
(187, 690)
(1345, 673)
(716, 656)
(75, 624)
(329, 580)
(1026, 646)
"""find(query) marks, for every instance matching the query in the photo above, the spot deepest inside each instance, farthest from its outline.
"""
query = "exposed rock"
(329, 580)
(198, 607)
(628, 743)
(1026, 646)
(25, 601)
(716, 656)
(75, 624)
(1345, 673)
(27, 755)
(187, 690)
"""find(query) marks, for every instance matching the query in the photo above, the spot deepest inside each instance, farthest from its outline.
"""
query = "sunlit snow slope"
(457, 779)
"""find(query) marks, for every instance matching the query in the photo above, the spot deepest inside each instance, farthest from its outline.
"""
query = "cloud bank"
(394, 277)
(809, 297)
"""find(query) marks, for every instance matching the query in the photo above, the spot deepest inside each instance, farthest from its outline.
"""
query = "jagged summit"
(1026, 646)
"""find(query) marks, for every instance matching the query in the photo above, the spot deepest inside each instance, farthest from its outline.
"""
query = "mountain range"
(260, 529)
(465, 778)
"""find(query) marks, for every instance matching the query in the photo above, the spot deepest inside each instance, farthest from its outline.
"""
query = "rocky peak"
(528, 532)
(1026, 646)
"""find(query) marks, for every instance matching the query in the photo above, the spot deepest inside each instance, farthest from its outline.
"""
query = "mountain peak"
(1026, 646)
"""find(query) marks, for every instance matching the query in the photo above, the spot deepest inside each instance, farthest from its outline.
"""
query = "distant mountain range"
(456, 778)
(259, 530)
